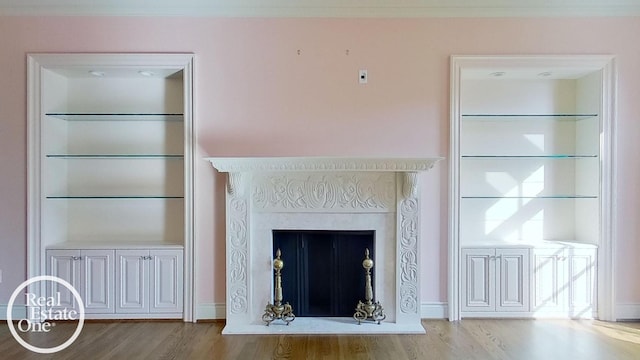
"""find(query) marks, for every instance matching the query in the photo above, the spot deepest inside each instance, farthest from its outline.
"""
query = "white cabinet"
(552, 281)
(564, 282)
(120, 283)
(91, 274)
(149, 281)
(495, 280)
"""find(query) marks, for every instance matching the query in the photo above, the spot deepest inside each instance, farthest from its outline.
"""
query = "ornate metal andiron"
(368, 309)
(277, 310)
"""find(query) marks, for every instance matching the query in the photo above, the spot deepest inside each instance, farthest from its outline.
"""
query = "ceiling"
(323, 8)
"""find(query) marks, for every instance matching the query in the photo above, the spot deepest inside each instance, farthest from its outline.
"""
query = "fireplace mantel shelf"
(273, 164)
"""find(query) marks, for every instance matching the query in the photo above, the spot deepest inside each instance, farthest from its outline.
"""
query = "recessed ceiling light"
(545, 73)
(96, 73)
(498, 73)
(145, 73)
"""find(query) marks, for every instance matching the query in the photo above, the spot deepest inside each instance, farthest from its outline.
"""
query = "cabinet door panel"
(66, 265)
(166, 281)
(132, 273)
(478, 276)
(581, 291)
(549, 280)
(514, 280)
(98, 281)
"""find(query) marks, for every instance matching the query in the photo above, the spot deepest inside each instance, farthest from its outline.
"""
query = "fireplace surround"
(312, 193)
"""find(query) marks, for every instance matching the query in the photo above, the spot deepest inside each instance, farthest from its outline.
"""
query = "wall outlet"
(363, 77)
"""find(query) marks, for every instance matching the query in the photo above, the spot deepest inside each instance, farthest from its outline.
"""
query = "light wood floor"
(467, 339)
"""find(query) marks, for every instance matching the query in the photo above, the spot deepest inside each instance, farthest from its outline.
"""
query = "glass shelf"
(555, 156)
(117, 116)
(115, 156)
(115, 197)
(533, 197)
(568, 117)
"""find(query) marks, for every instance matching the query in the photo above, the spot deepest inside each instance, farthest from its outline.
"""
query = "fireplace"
(323, 274)
(322, 194)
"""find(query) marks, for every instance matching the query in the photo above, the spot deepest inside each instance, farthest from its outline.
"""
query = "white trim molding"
(319, 8)
(322, 164)
(434, 310)
(627, 311)
(211, 311)
(19, 312)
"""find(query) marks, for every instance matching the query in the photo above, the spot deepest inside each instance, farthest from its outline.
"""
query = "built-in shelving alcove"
(110, 181)
(531, 186)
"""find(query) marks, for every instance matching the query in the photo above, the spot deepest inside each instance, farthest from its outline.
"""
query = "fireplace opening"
(323, 274)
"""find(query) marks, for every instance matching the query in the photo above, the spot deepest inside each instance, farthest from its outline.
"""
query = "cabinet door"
(132, 274)
(98, 295)
(65, 264)
(478, 279)
(581, 272)
(513, 277)
(549, 280)
(166, 281)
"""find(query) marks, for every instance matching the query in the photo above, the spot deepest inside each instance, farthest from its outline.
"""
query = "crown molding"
(194, 8)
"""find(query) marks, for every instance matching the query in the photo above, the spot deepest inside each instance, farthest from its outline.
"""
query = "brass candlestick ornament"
(368, 309)
(278, 310)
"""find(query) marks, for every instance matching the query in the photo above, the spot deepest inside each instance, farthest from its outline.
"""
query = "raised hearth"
(340, 194)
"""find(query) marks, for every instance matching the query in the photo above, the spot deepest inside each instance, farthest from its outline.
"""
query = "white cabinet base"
(548, 281)
(495, 281)
(564, 282)
(149, 282)
(90, 272)
(121, 283)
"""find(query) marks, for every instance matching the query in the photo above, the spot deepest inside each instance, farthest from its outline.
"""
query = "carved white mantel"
(265, 194)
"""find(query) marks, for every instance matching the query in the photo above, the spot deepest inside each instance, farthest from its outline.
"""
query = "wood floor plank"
(353, 347)
(467, 339)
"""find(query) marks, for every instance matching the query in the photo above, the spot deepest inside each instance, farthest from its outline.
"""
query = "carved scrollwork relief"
(235, 185)
(408, 257)
(336, 192)
(237, 234)
(410, 185)
(238, 299)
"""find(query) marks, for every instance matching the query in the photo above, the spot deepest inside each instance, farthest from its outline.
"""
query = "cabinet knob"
(76, 257)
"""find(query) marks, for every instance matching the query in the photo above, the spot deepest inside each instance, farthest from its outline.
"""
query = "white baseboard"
(428, 310)
(211, 312)
(434, 310)
(627, 311)
(19, 312)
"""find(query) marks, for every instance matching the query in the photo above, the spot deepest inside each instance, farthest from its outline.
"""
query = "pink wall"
(256, 96)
